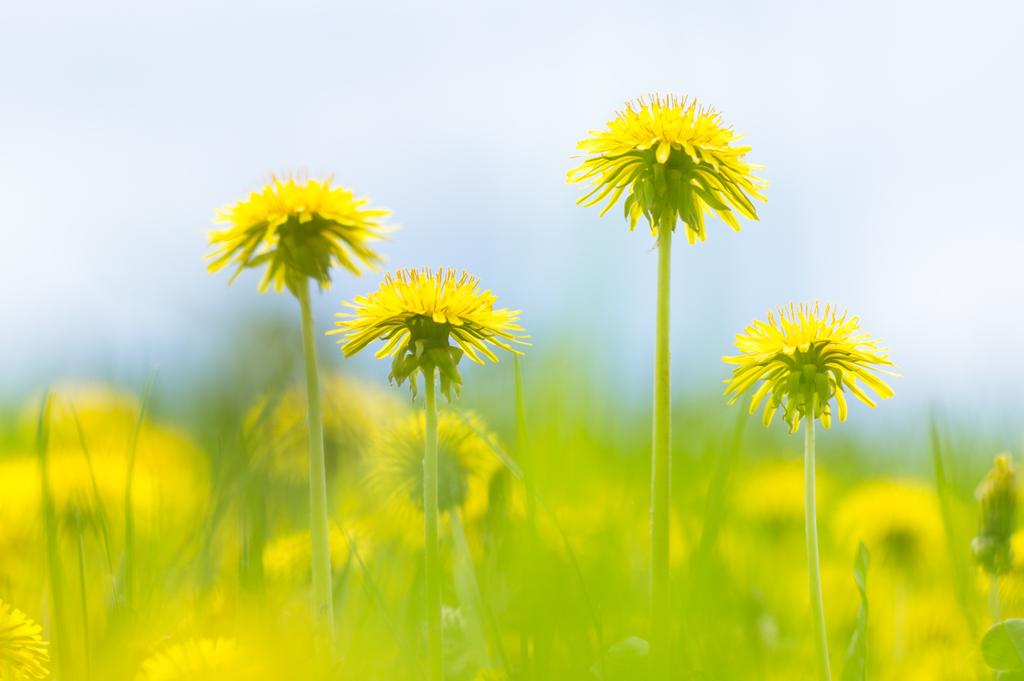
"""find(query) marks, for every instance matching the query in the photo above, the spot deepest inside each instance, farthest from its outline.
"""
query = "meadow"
(286, 518)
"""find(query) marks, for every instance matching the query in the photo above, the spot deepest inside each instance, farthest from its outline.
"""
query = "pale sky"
(890, 134)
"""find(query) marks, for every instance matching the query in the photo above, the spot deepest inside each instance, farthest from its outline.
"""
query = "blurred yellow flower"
(900, 522)
(806, 356)
(773, 493)
(299, 230)
(466, 466)
(417, 313)
(354, 411)
(676, 160)
(23, 653)
(199, 660)
(290, 555)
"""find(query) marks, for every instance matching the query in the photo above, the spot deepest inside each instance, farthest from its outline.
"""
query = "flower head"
(417, 313)
(805, 357)
(674, 160)
(23, 652)
(299, 230)
(198, 660)
(465, 465)
(900, 522)
(997, 499)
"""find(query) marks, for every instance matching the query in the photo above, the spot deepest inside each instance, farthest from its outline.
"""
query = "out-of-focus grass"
(215, 546)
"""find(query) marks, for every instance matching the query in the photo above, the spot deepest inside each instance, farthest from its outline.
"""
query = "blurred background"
(888, 132)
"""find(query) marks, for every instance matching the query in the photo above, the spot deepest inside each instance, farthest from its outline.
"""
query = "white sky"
(891, 135)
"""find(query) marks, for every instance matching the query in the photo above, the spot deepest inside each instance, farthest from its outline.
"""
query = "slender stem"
(994, 605)
(528, 635)
(813, 566)
(661, 469)
(430, 552)
(84, 599)
(323, 605)
(61, 640)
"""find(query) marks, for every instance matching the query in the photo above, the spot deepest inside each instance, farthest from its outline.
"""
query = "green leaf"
(855, 664)
(1017, 675)
(1002, 646)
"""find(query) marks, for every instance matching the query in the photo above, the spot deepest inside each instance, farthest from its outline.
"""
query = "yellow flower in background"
(23, 653)
(466, 466)
(199, 660)
(290, 555)
(900, 522)
(298, 230)
(418, 313)
(674, 159)
(354, 411)
(773, 493)
(807, 356)
(90, 435)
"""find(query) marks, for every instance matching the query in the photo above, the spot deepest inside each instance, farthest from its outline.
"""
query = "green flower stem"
(661, 470)
(323, 605)
(813, 563)
(430, 548)
(528, 635)
(994, 605)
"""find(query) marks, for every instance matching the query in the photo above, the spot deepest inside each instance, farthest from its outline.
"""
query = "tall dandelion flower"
(805, 357)
(23, 653)
(427, 321)
(298, 231)
(997, 500)
(676, 162)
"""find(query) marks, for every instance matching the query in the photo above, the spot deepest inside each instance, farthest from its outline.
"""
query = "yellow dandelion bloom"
(354, 410)
(23, 653)
(805, 357)
(674, 160)
(199, 660)
(299, 230)
(900, 522)
(466, 466)
(417, 313)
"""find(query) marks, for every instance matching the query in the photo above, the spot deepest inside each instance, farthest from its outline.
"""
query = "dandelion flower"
(23, 653)
(299, 230)
(466, 466)
(674, 159)
(418, 313)
(198, 660)
(805, 357)
(900, 522)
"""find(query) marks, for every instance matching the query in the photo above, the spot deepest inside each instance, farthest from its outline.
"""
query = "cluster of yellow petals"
(298, 228)
(805, 356)
(23, 652)
(676, 160)
(450, 301)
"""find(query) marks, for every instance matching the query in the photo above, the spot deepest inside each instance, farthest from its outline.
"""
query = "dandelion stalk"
(530, 663)
(661, 468)
(813, 561)
(299, 230)
(323, 604)
(431, 556)
(428, 321)
(804, 358)
(61, 640)
(676, 162)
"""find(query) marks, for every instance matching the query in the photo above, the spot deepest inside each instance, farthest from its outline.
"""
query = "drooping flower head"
(299, 230)
(674, 160)
(418, 313)
(23, 653)
(997, 500)
(804, 357)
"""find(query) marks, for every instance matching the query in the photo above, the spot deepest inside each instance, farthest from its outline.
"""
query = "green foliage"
(855, 667)
(1002, 646)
